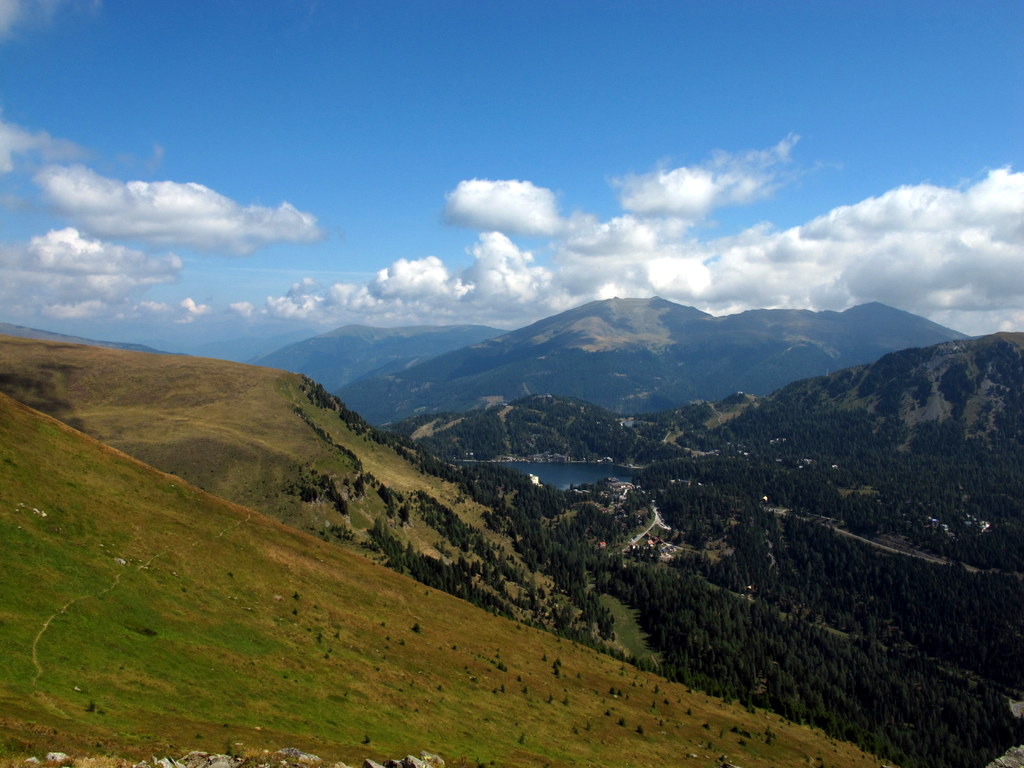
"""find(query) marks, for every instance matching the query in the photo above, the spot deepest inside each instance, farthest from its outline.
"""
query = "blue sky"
(184, 172)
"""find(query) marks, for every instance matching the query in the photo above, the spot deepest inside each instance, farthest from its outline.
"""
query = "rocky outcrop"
(1014, 758)
(425, 760)
(283, 758)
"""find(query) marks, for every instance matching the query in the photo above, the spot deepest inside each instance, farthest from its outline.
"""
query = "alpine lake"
(564, 474)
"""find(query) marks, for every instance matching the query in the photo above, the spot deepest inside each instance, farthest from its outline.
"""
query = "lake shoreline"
(564, 474)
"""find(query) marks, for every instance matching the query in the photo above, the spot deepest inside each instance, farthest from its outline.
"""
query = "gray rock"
(298, 754)
(57, 757)
(168, 762)
(412, 762)
(206, 760)
(32, 760)
(432, 760)
(368, 763)
(1014, 758)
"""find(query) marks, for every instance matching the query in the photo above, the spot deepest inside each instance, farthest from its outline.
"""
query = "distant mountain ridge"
(348, 353)
(637, 355)
(966, 390)
(23, 332)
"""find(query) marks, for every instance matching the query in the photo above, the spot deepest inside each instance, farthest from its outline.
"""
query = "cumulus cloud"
(62, 274)
(167, 212)
(923, 248)
(955, 254)
(192, 310)
(691, 192)
(501, 281)
(302, 302)
(509, 206)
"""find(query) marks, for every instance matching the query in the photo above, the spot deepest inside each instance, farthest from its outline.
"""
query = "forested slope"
(907, 638)
(757, 590)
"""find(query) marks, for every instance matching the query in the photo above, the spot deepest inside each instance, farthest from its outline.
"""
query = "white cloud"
(154, 307)
(9, 12)
(244, 309)
(953, 254)
(501, 282)
(622, 236)
(62, 274)
(502, 274)
(923, 248)
(302, 302)
(167, 212)
(15, 140)
(421, 278)
(691, 192)
(192, 310)
(17, 12)
(509, 206)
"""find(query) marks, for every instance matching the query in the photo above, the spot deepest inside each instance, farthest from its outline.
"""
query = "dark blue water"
(562, 475)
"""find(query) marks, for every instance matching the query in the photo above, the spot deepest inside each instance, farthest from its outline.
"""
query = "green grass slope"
(230, 429)
(249, 434)
(259, 437)
(140, 615)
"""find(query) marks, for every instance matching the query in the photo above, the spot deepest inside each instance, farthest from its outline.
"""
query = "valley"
(177, 620)
(774, 614)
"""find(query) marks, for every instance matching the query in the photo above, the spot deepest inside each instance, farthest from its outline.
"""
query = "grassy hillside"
(139, 614)
(228, 428)
(248, 434)
(276, 442)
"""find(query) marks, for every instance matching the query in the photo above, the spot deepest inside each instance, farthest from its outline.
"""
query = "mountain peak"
(609, 324)
(634, 355)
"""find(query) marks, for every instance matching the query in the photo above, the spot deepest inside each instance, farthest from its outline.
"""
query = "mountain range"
(636, 355)
(7, 329)
(353, 351)
(970, 388)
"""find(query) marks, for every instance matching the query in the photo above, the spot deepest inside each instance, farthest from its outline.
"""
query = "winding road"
(656, 523)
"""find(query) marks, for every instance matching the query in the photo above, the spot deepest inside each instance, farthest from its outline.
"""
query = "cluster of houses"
(612, 497)
(552, 458)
